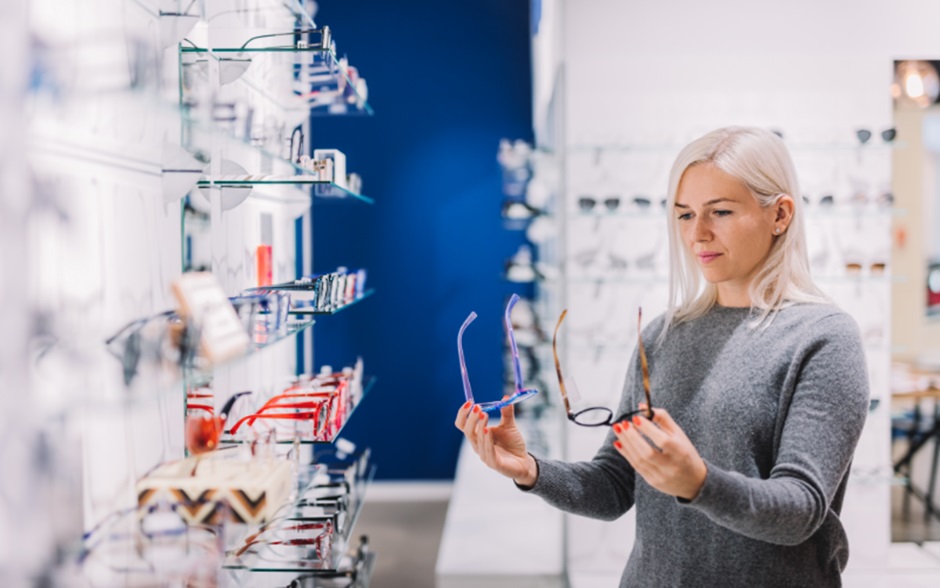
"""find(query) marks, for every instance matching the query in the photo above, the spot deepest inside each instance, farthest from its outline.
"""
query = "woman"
(759, 387)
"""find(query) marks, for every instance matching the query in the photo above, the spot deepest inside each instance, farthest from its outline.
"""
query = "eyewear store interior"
(165, 419)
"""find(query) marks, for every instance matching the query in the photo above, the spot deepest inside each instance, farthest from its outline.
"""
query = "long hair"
(758, 159)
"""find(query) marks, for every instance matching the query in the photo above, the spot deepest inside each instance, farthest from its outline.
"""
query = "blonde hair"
(759, 160)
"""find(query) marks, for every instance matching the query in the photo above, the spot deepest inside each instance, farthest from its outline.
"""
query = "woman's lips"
(707, 258)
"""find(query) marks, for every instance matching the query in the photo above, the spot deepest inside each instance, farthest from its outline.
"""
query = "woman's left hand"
(675, 468)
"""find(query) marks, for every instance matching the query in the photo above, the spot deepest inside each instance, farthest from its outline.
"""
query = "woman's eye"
(685, 216)
(722, 212)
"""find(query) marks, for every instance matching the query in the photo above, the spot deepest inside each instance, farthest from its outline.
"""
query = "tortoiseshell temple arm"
(644, 364)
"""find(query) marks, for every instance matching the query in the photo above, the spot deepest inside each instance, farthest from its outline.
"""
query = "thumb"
(508, 414)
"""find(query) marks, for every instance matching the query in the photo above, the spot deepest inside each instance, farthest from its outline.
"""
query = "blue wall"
(447, 81)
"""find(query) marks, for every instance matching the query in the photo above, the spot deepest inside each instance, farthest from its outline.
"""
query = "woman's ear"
(785, 206)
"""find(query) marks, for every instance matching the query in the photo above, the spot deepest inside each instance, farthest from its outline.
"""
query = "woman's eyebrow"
(709, 203)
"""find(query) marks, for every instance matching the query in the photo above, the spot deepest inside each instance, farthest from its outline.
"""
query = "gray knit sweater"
(775, 414)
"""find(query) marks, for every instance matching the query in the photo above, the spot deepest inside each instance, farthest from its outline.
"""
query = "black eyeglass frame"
(578, 417)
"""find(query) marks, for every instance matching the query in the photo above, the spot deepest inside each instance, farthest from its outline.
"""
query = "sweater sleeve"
(602, 488)
(820, 430)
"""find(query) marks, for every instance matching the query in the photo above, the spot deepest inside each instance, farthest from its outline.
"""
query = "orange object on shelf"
(265, 265)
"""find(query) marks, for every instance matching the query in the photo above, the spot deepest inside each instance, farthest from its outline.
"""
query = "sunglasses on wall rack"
(887, 135)
(521, 393)
(599, 416)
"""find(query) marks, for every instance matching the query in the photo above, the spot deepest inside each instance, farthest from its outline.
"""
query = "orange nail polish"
(617, 427)
(485, 430)
(626, 425)
(466, 404)
(476, 408)
(618, 445)
(636, 421)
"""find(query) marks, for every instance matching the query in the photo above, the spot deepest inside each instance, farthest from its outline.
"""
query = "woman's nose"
(700, 230)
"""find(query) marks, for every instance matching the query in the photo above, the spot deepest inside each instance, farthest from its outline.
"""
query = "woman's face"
(725, 229)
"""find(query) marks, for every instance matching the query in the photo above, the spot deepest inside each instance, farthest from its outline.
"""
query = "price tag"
(203, 303)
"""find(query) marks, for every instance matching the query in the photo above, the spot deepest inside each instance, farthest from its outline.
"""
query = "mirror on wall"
(915, 381)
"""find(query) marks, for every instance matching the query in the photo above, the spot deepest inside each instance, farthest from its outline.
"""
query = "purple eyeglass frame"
(521, 393)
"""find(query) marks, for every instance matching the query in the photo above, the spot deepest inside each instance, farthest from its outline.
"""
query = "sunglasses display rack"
(288, 75)
(164, 137)
(307, 541)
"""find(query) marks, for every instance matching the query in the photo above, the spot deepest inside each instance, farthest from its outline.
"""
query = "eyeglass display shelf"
(124, 524)
(351, 573)
(197, 375)
(367, 385)
(254, 562)
(320, 188)
(311, 312)
(201, 135)
(348, 105)
(259, 339)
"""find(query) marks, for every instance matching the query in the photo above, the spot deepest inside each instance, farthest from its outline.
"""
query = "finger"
(481, 430)
(470, 427)
(626, 449)
(651, 431)
(637, 445)
(488, 451)
(662, 418)
(508, 414)
(462, 415)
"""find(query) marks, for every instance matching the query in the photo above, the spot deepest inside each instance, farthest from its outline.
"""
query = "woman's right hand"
(502, 448)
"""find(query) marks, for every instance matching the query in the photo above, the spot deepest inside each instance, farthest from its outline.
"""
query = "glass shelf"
(314, 79)
(321, 188)
(284, 179)
(308, 312)
(260, 339)
(367, 385)
(265, 560)
(151, 343)
(117, 552)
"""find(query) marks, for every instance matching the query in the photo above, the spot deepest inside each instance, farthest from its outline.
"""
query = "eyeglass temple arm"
(324, 36)
(467, 391)
(561, 379)
(230, 403)
(517, 369)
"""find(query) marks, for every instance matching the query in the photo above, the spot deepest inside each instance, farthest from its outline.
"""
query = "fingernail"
(636, 421)
(617, 427)
(476, 408)
(618, 444)
(626, 425)
(466, 404)
(485, 430)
